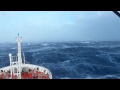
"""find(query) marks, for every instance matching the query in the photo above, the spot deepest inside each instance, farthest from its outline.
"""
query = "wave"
(81, 60)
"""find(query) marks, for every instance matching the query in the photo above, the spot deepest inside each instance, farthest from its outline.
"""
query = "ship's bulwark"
(70, 59)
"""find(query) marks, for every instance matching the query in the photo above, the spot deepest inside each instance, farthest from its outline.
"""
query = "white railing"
(41, 68)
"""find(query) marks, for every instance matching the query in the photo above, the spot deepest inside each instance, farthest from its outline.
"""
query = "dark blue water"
(70, 59)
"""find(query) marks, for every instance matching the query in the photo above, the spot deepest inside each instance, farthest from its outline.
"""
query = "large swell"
(70, 60)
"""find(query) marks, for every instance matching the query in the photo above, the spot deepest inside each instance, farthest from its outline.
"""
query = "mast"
(19, 56)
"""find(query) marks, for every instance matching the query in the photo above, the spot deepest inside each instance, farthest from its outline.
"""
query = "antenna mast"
(19, 56)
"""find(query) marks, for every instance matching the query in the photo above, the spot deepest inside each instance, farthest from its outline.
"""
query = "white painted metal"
(19, 57)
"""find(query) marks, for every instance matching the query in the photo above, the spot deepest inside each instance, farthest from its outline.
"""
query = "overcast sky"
(59, 26)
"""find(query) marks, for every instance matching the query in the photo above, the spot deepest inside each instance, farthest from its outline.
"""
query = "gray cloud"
(59, 26)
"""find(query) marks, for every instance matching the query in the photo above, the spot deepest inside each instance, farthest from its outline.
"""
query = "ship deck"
(25, 75)
(28, 71)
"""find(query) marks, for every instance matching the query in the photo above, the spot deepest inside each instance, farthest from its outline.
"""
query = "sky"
(39, 26)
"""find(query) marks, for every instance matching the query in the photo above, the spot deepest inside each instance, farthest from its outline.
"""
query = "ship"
(19, 69)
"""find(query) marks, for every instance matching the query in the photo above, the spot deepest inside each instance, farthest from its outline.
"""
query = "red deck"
(26, 75)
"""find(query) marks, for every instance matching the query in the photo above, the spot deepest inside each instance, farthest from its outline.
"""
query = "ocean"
(70, 60)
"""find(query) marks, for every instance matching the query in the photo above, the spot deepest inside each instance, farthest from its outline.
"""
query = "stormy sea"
(70, 60)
